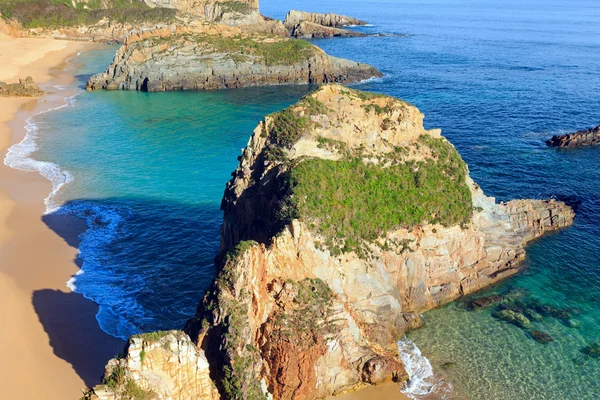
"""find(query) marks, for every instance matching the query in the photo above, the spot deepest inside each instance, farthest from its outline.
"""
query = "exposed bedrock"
(217, 57)
(314, 25)
(587, 137)
(294, 17)
(314, 288)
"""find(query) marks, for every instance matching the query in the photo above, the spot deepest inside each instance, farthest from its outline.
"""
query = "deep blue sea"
(148, 171)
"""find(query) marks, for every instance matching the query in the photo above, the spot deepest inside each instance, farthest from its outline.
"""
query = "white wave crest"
(419, 369)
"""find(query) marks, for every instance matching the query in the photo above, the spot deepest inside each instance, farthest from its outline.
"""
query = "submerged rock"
(487, 301)
(540, 336)
(593, 350)
(586, 137)
(217, 58)
(513, 317)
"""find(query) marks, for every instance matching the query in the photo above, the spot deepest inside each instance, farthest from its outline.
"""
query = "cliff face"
(215, 56)
(229, 12)
(344, 220)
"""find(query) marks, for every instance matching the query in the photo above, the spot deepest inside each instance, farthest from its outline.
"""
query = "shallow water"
(499, 77)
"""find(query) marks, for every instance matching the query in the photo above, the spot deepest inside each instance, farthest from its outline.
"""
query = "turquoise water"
(148, 172)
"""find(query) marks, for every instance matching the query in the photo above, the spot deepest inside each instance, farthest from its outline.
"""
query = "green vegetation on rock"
(235, 7)
(351, 202)
(271, 51)
(126, 387)
(61, 13)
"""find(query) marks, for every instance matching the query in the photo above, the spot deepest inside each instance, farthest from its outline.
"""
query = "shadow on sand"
(159, 265)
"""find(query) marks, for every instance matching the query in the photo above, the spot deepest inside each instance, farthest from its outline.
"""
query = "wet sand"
(50, 342)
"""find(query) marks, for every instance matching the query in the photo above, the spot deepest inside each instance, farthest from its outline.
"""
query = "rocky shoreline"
(316, 26)
(210, 57)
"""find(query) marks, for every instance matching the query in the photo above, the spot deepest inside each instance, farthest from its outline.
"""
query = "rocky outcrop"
(25, 88)
(215, 57)
(309, 30)
(157, 366)
(313, 25)
(586, 137)
(294, 17)
(310, 303)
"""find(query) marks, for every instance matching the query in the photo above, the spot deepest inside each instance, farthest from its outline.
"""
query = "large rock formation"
(157, 366)
(25, 88)
(313, 25)
(215, 57)
(587, 137)
(344, 220)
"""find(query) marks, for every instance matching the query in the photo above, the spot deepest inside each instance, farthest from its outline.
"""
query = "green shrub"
(352, 202)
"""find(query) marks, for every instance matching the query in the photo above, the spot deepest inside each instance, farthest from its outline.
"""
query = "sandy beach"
(50, 342)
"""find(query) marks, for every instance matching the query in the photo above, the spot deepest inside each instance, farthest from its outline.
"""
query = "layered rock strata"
(25, 88)
(587, 137)
(294, 17)
(314, 25)
(303, 309)
(157, 366)
(217, 57)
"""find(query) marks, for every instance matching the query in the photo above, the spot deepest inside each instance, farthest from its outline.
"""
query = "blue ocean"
(147, 172)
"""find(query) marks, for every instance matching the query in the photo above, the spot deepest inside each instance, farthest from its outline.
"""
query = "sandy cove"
(50, 342)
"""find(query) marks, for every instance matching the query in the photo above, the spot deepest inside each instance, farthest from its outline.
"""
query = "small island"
(344, 220)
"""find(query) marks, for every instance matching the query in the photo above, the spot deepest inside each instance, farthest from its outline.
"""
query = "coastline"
(51, 343)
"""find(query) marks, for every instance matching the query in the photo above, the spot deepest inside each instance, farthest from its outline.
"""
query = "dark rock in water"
(533, 315)
(448, 365)
(541, 337)
(586, 137)
(483, 302)
(513, 317)
(309, 30)
(593, 350)
(25, 88)
(549, 311)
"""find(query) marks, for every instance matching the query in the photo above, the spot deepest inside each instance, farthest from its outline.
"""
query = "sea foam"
(419, 369)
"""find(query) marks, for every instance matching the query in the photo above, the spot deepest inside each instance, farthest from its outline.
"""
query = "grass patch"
(61, 13)
(351, 202)
(152, 336)
(235, 7)
(272, 52)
